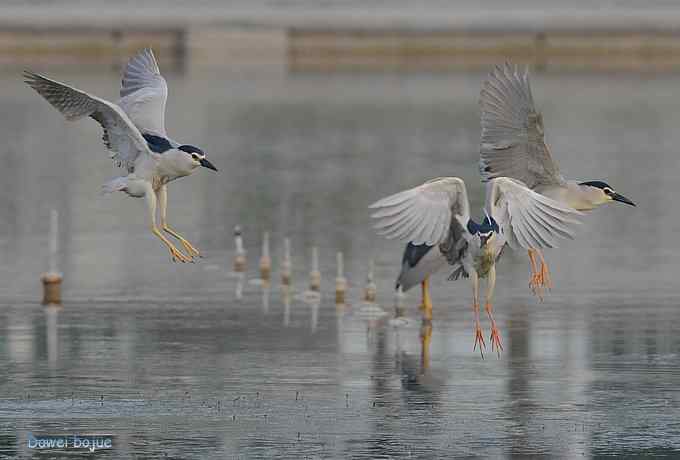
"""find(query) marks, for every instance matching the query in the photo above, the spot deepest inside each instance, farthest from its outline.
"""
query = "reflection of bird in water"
(134, 131)
(437, 213)
(415, 373)
(513, 145)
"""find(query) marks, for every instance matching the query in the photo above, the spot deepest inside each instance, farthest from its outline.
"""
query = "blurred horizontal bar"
(441, 50)
(96, 45)
(336, 48)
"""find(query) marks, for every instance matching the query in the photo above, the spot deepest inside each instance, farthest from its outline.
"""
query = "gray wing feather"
(513, 143)
(120, 135)
(424, 214)
(144, 93)
(528, 219)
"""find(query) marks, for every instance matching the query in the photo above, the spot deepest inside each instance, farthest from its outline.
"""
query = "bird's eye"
(608, 191)
(194, 156)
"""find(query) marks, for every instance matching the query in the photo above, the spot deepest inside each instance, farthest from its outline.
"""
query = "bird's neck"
(170, 167)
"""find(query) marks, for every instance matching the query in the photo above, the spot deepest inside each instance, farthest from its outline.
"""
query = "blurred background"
(312, 110)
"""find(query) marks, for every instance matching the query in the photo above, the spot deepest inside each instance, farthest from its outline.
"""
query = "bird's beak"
(484, 239)
(621, 198)
(206, 164)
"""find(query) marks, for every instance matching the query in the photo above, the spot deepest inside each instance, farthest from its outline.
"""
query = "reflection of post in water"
(52, 314)
(314, 315)
(340, 327)
(425, 340)
(518, 383)
(265, 297)
(285, 293)
(240, 277)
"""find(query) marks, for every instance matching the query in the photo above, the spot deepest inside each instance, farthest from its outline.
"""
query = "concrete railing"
(294, 48)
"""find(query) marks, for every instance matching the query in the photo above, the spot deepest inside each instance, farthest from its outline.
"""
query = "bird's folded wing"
(513, 143)
(120, 135)
(422, 215)
(528, 219)
(144, 92)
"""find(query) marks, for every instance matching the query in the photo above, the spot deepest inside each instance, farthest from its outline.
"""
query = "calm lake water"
(164, 357)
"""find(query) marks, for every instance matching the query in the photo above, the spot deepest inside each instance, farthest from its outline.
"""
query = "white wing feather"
(528, 219)
(423, 215)
(121, 136)
(513, 142)
(144, 93)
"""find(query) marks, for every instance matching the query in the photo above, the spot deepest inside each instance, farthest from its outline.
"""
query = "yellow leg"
(427, 301)
(177, 256)
(161, 196)
(192, 251)
(536, 279)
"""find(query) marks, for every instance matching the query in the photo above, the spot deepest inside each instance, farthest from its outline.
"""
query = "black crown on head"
(190, 149)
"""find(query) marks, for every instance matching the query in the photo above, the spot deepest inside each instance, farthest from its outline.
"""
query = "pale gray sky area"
(422, 14)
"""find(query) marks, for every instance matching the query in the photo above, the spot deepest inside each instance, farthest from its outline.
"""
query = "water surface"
(163, 356)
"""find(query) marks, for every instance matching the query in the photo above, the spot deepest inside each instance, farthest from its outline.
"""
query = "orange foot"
(545, 275)
(540, 278)
(536, 284)
(496, 340)
(479, 338)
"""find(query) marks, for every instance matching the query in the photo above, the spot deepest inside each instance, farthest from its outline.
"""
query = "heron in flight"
(134, 133)
(437, 214)
(513, 145)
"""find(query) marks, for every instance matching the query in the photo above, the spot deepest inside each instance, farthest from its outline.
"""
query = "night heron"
(134, 132)
(513, 145)
(437, 214)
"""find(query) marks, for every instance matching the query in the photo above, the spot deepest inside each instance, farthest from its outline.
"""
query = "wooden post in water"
(286, 265)
(240, 257)
(52, 279)
(265, 260)
(315, 274)
(370, 290)
(340, 281)
(399, 303)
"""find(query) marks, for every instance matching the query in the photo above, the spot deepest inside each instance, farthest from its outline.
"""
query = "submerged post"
(340, 281)
(265, 260)
(370, 290)
(52, 279)
(240, 256)
(286, 265)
